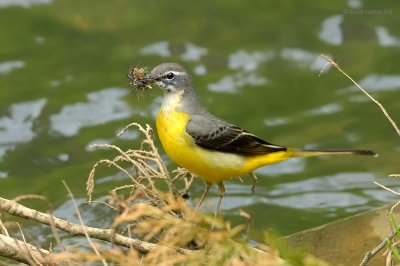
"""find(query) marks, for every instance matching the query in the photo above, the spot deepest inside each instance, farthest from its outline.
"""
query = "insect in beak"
(140, 79)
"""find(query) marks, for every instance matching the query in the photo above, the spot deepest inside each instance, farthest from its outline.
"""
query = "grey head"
(175, 80)
(172, 77)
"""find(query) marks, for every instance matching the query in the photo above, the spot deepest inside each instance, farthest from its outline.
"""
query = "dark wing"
(229, 138)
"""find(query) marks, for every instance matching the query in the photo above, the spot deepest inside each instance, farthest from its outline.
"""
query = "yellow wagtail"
(207, 145)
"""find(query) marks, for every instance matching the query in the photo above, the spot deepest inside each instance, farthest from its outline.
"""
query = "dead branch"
(109, 235)
(383, 109)
(370, 254)
(23, 252)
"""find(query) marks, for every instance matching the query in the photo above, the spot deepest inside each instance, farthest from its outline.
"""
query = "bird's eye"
(170, 75)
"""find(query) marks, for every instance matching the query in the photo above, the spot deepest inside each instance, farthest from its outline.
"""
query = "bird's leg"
(208, 186)
(221, 192)
(254, 178)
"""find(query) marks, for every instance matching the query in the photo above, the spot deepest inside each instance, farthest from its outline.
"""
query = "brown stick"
(109, 235)
(333, 63)
(23, 252)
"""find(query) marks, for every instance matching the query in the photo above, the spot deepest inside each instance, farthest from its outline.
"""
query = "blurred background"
(64, 86)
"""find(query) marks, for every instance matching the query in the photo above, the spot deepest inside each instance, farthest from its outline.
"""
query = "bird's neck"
(170, 102)
(185, 102)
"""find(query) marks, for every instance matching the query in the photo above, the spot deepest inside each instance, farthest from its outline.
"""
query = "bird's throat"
(171, 102)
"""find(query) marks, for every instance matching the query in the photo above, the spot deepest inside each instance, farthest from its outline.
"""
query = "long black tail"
(322, 152)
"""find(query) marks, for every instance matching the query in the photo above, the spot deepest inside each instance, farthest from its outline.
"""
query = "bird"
(209, 146)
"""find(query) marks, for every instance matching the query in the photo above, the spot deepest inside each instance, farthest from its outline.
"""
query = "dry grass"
(151, 227)
(144, 167)
(182, 235)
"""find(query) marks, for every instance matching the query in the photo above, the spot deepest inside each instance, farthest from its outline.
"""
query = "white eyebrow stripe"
(176, 73)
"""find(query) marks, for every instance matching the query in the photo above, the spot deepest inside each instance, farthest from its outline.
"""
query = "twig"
(148, 132)
(392, 191)
(78, 213)
(187, 177)
(73, 229)
(103, 203)
(146, 162)
(30, 257)
(333, 63)
(386, 188)
(90, 181)
(55, 235)
(3, 228)
(25, 197)
(12, 248)
(370, 254)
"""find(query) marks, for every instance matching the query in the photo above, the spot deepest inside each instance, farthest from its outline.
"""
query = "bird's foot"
(254, 179)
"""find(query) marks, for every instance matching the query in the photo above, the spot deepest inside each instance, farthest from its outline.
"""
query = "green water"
(63, 86)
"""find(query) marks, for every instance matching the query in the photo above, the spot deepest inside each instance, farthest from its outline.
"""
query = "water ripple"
(384, 37)
(231, 83)
(102, 107)
(23, 3)
(193, 52)
(331, 31)
(158, 48)
(7, 67)
(18, 126)
(305, 59)
(341, 181)
(326, 109)
(247, 61)
(376, 82)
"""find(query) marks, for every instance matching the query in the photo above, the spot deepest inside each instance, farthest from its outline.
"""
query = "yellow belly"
(213, 166)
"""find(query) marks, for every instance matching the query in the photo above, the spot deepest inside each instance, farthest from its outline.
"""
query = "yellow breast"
(179, 145)
(213, 166)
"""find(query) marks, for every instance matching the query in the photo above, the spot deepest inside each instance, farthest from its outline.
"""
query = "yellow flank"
(213, 166)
